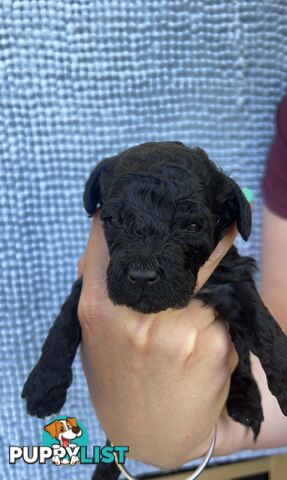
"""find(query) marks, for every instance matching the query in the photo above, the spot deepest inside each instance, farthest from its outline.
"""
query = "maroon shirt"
(275, 179)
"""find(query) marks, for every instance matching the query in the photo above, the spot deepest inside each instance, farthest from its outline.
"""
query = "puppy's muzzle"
(143, 277)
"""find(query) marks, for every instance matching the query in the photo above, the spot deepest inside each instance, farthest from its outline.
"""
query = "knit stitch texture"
(84, 79)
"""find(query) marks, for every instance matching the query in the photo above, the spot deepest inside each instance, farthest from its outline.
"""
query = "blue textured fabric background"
(83, 79)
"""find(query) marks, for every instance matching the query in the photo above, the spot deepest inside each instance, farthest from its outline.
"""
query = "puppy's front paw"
(74, 460)
(249, 414)
(282, 400)
(277, 383)
(244, 404)
(45, 390)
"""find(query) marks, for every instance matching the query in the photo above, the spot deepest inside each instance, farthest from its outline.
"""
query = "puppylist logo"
(65, 436)
(65, 442)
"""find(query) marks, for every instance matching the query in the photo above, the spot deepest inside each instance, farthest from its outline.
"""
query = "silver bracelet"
(193, 476)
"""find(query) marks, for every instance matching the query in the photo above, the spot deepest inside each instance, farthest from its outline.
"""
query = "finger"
(217, 255)
(80, 267)
(96, 259)
(221, 353)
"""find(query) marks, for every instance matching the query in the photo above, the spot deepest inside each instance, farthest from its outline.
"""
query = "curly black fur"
(164, 207)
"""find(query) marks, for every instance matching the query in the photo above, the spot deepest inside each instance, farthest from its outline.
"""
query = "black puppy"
(165, 207)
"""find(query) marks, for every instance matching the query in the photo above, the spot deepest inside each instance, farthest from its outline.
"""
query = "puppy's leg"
(106, 471)
(240, 304)
(45, 390)
(268, 342)
(244, 400)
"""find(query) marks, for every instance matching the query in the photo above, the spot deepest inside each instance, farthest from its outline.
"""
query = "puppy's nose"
(75, 429)
(143, 276)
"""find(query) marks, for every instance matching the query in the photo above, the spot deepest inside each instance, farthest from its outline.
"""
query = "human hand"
(158, 382)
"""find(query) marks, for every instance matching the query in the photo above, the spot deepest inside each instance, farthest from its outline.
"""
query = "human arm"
(274, 266)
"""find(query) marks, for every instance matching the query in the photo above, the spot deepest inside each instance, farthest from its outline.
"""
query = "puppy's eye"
(193, 228)
(112, 221)
(62, 429)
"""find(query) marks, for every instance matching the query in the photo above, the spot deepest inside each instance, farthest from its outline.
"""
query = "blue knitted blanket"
(83, 79)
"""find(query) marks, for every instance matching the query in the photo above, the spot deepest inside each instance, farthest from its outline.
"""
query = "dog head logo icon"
(65, 431)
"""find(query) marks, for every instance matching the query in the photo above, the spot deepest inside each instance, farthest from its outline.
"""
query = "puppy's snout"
(143, 276)
(75, 429)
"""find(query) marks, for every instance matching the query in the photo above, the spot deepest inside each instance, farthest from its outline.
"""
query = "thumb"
(95, 262)
(215, 258)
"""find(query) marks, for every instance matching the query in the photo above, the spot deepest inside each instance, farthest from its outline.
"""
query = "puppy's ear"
(72, 421)
(232, 206)
(96, 184)
(53, 428)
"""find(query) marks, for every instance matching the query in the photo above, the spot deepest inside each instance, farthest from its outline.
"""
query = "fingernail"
(226, 241)
(217, 252)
